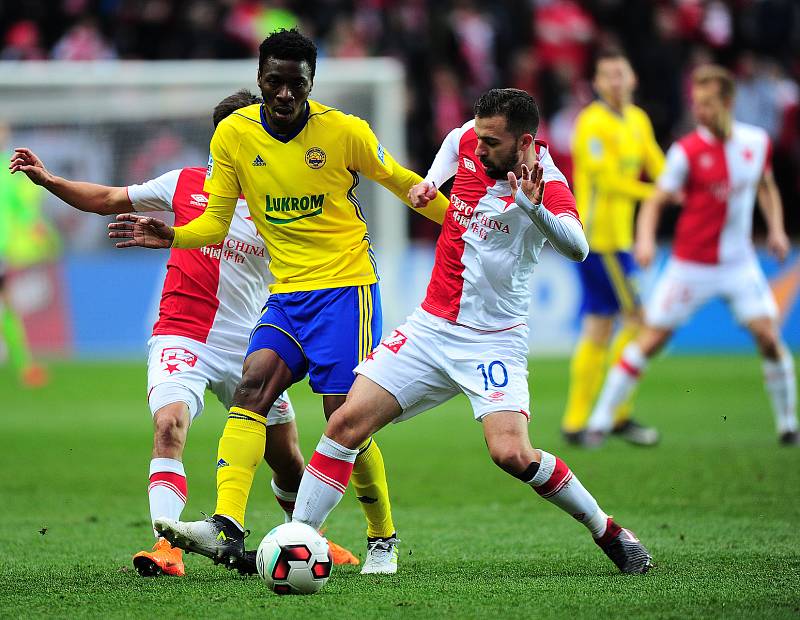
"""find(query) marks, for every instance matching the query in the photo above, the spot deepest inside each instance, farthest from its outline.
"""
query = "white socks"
(781, 384)
(286, 500)
(167, 490)
(556, 483)
(324, 482)
(620, 382)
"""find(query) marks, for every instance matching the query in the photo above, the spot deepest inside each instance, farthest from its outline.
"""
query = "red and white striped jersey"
(720, 182)
(488, 246)
(211, 294)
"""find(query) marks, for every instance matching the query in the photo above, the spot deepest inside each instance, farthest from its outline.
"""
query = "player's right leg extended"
(506, 434)
(273, 363)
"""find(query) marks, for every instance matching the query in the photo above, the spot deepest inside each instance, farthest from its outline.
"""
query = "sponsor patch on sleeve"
(381, 154)
(210, 167)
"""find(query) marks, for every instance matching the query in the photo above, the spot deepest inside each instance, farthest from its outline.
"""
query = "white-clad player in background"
(211, 298)
(470, 334)
(718, 171)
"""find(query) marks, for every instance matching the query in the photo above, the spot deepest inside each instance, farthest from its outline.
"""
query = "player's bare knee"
(511, 459)
(768, 343)
(346, 428)
(171, 424)
(254, 393)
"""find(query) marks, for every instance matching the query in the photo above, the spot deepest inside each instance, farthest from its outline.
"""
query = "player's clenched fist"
(421, 194)
(143, 232)
(530, 182)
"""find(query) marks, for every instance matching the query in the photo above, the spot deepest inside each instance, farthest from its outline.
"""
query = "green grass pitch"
(716, 503)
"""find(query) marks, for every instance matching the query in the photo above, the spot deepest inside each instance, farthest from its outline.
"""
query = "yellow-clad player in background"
(613, 144)
(297, 163)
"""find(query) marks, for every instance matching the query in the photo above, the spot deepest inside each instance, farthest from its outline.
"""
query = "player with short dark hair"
(470, 335)
(718, 171)
(297, 162)
(613, 144)
(210, 299)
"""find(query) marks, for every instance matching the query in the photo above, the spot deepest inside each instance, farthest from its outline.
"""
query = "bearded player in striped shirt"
(210, 301)
(470, 335)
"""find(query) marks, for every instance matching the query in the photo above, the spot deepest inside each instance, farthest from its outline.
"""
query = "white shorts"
(427, 360)
(684, 287)
(180, 369)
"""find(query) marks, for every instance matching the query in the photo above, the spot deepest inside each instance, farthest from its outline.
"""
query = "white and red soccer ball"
(294, 559)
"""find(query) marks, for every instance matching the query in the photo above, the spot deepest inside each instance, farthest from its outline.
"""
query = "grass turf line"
(716, 503)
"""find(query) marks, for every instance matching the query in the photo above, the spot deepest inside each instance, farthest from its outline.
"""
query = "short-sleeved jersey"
(720, 182)
(488, 246)
(301, 192)
(610, 151)
(211, 294)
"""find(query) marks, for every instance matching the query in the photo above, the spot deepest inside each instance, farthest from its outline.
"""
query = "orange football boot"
(163, 559)
(340, 555)
(34, 376)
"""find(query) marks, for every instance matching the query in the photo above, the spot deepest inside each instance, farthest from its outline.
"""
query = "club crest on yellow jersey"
(315, 158)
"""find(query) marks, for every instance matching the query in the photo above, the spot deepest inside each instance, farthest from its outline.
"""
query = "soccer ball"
(294, 559)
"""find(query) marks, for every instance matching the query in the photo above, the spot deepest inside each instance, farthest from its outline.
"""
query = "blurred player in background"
(613, 144)
(211, 299)
(25, 240)
(297, 162)
(470, 335)
(720, 169)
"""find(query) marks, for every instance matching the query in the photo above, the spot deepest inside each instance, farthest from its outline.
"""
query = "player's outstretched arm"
(139, 231)
(644, 248)
(564, 232)
(771, 206)
(89, 197)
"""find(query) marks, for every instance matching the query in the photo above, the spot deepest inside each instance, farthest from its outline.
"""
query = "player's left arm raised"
(771, 205)
(563, 231)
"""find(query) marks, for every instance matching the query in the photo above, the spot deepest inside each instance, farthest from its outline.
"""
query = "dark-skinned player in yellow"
(297, 162)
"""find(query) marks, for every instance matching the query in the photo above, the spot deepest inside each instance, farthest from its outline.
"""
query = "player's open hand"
(421, 194)
(778, 244)
(139, 231)
(530, 182)
(25, 160)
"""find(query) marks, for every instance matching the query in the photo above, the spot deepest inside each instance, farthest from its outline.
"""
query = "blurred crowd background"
(453, 50)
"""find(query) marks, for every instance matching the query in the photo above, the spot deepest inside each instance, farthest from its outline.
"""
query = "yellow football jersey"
(609, 152)
(301, 192)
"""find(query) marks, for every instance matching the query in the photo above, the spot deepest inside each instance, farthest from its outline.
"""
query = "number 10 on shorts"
(495, 374)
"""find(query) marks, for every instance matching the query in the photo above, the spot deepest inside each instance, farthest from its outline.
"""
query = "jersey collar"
(287, 137)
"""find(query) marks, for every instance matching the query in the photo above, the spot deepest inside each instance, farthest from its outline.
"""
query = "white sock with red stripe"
(285, 499)
(556, 483)
(619, 384)
(324, 482)
(167, 490)
(781, 384)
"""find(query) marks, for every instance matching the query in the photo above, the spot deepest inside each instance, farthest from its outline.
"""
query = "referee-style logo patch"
(315, 158)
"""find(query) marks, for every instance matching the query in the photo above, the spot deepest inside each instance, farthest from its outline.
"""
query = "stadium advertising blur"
(78, 307)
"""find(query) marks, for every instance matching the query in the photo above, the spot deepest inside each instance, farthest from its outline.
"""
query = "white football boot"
(381, 556)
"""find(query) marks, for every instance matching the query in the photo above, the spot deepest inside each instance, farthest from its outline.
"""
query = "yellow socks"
(241, 449)
(587, 370)
(626, 335)
(372, 490)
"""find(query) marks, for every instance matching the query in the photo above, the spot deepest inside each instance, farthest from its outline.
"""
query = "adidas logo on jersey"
(258, 161)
